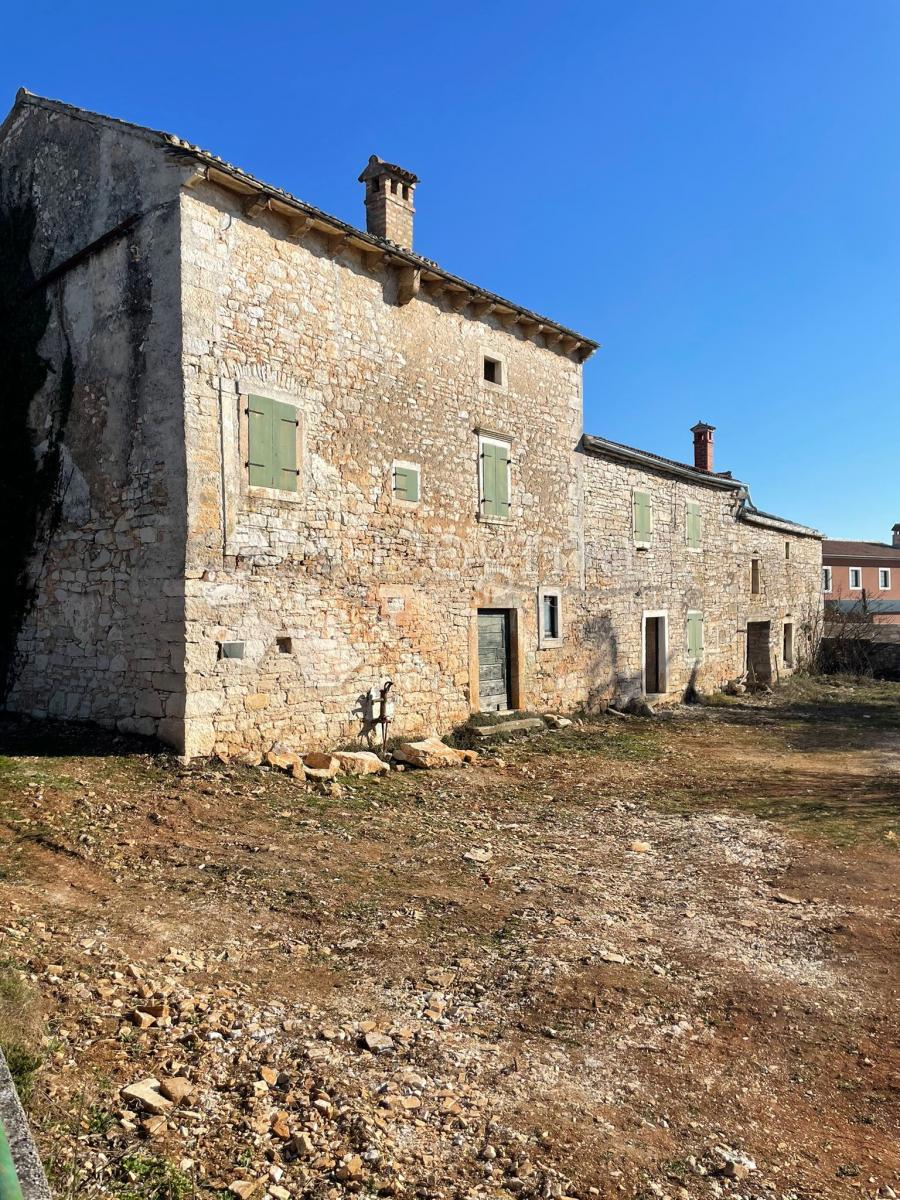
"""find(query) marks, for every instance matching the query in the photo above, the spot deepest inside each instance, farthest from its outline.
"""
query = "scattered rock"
(639, 847)
(557, 722)
(281, 757)
(318, 765)
(359, 762)
(145, 1094)
(176, 1088)
(432, 752)
(479, 855)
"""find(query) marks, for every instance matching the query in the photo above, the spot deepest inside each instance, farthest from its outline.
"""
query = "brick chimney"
(389, 201)
(896, 533)
(703, 446)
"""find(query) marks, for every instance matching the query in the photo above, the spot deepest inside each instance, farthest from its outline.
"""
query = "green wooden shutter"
(501, 466)
(261, 454)
(695, 634)
(285, 447)
(694, 524)
(643, 517)
(494, 479)
(406, 483)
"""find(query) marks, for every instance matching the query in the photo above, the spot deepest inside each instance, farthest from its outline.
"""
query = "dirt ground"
(634, 958)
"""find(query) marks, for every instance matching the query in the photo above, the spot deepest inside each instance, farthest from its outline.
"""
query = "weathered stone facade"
(626, 582)
(223, 290)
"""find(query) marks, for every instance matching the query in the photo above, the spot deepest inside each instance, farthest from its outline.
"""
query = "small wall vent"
(231, 649)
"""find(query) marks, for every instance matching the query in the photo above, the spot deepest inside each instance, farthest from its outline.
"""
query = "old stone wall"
(364, 586)
(104, 640)
(625, 583)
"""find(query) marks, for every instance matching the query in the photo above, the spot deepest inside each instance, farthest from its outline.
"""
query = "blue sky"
(710, 188)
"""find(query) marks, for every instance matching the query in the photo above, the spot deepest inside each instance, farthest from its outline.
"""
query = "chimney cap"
(702, 427)
(895, 528)
(377, 166)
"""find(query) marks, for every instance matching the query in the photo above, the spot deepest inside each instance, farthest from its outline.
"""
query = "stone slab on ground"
(24, 1153)
(516, 725)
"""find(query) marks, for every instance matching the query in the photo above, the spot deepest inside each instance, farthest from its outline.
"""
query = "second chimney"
(703, 446)
(389, 201)
(896, 533)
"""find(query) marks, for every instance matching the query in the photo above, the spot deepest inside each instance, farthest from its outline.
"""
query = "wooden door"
(493, 660)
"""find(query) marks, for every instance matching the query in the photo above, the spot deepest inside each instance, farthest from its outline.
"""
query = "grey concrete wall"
(18, 1134)
(105, 639)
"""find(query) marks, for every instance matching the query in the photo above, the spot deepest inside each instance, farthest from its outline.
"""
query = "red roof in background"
(883, 551)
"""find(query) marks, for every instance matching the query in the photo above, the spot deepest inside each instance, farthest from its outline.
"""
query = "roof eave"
(282, 203)
(602, 448)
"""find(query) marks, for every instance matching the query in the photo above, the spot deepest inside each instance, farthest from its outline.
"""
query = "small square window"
(405, 482)
(855, 578)
(884, 578)
(826, 579)
(493, 370)
(285, 645)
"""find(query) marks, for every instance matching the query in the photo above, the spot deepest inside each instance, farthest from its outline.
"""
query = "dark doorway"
(759, 653)
(654, 655)
(493, 660)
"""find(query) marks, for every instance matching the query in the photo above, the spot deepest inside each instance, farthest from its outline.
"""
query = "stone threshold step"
(519, 725)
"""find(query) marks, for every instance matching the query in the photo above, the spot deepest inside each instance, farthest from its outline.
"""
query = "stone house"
(267, 460)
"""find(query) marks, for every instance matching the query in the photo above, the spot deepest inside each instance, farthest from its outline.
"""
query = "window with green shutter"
(643, 516)
(694, 524)
(406, 483)
(272, 444)
(694, 634)
(494, 478)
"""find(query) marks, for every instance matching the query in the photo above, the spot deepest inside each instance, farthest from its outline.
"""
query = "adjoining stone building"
(296, 459)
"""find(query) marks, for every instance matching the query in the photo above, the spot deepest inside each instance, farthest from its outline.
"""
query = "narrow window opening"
(884, 577)
(855, 578)
(754, 576)
(551, 617)
(787, 551)
(285, 645)
(826, 579)
(788, 648)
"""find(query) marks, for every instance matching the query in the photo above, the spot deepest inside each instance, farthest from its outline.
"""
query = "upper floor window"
(492, 369)
(642, 518)
(272, 444)
(884, 577)
(855, 578)
(694, 521)
(826, 579)
(493, 477)
(405, 478)
(787, 551)
(754, 576)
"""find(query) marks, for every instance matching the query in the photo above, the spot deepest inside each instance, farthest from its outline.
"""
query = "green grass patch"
(150, 1177)
(20, 1029)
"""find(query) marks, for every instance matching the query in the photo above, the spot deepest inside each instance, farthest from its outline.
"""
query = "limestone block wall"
(105, 640)
(364, 586)
(624, 582)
